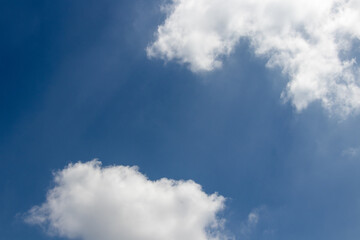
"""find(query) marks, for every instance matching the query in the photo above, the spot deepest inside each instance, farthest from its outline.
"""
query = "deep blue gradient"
(76, 85)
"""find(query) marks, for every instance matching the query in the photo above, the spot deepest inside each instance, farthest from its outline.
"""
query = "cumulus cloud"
(310, 40)
(118, 202)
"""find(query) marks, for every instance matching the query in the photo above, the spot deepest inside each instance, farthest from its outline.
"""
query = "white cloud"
(91, 203)
(310, 40)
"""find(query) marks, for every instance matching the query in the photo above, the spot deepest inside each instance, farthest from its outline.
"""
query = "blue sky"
(77, 84)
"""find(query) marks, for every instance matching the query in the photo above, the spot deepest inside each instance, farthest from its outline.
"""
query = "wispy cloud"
(91, 202)
(248, 226)
(311, 41)
(351, 152)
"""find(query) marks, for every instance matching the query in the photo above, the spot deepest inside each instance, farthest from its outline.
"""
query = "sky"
(180, 119)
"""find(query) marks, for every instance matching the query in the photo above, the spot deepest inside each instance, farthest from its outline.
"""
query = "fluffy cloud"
(310, 40)
(91, 203)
